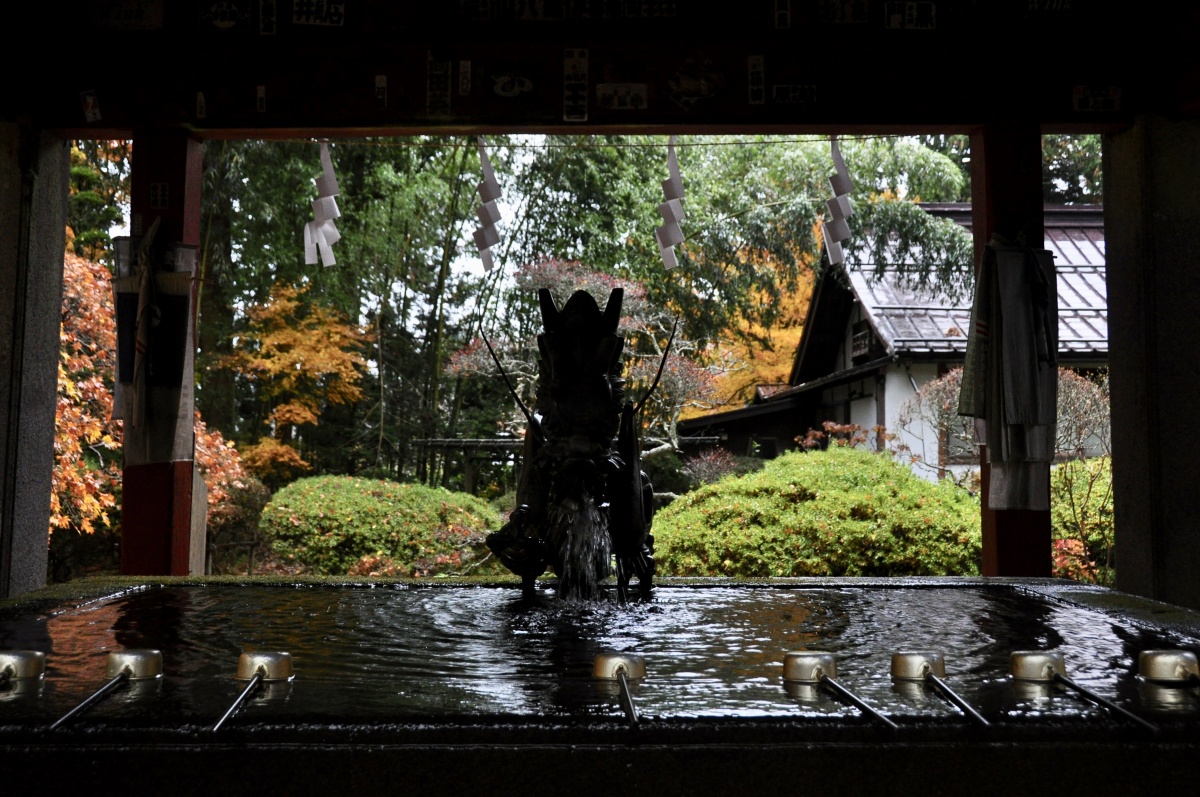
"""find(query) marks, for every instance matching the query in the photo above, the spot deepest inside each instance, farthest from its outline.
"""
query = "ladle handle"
(631, 712)
(96, 697)
(853, 699)
(250, 687)
(945, 691)
(1108, 704)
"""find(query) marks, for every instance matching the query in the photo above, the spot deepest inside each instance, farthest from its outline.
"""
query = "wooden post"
(160, 533)
(1152, 216)
(1006, 200)
(34, 177)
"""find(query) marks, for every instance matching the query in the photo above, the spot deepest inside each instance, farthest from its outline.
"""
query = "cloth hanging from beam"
(1010, 376)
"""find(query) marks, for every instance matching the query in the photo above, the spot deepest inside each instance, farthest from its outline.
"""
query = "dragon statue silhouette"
(584, 504)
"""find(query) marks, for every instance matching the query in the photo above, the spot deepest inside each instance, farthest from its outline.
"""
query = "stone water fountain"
(847, 686)
(476, 686)
(583, 501)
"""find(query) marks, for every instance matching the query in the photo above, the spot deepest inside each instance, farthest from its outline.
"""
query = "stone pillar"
(34, 181)
(161, 488)
(1152, 215)
(1006, 200)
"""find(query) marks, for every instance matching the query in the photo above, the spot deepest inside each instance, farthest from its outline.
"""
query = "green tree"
(216, 396)
(957, 148)
(407, 208)
(99, 190)
(753, 205)
(405, 259)
(1071, 171)
(753, 229)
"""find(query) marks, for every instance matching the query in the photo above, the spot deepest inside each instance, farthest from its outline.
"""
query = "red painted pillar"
(162, 520)
(1006, 200)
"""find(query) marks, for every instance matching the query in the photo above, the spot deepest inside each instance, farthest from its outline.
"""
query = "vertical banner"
(437, 87)
(575, 85)
(756, 79)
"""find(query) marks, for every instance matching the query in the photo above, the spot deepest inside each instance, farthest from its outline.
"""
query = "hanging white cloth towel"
(1010, 378)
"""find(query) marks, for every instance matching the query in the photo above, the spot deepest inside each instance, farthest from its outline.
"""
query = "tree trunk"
(435, 344)
(215, 394)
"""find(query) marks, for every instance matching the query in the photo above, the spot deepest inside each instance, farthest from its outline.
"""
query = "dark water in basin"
(424, 654)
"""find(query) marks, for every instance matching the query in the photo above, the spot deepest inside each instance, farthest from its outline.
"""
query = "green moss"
(344, 525)
(840, 512)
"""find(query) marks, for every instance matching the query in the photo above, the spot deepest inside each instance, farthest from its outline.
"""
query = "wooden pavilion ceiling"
(268, 67)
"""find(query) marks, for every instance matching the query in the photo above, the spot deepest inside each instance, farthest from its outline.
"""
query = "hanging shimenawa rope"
(836, 230)
(321, 233)
(670, 234)
(486, 235)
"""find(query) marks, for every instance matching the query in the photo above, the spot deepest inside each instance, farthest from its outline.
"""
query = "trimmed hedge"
(339, 525)
(838, 512)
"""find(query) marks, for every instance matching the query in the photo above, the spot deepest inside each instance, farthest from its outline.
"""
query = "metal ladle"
(258, 668)
(930, 668)
(1169, 667)
(807, 667)
(17, 665)
(622, 668)
(1050, 667)
(123, 666)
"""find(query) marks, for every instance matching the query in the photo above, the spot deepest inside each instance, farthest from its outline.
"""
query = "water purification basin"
(464, 688)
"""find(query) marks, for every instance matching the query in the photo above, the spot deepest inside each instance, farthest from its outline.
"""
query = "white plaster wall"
(862, 409)
(921, 439)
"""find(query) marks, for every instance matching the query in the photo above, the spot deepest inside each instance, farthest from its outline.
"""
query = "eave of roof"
(848, 375)
(720, 418)
(784, 398)
(911, 322)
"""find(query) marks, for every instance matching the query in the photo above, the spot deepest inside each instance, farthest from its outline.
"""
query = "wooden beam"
(1006, 197)
(157, 519)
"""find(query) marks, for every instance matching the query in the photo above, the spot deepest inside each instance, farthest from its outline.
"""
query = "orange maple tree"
(766, 361)
(303, 357)
(87, 443)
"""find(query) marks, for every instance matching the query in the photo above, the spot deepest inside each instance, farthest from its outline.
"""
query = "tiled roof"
(917, 322)
(764, 392)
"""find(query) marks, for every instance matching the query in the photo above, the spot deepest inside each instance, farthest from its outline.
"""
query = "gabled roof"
(926, 324)
(917, 323)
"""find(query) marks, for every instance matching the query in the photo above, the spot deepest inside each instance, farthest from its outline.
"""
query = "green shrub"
(1081, 511)
(839, 512)
(666, 472)
(335, 525)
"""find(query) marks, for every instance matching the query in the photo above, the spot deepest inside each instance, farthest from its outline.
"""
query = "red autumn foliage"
(87, 442)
